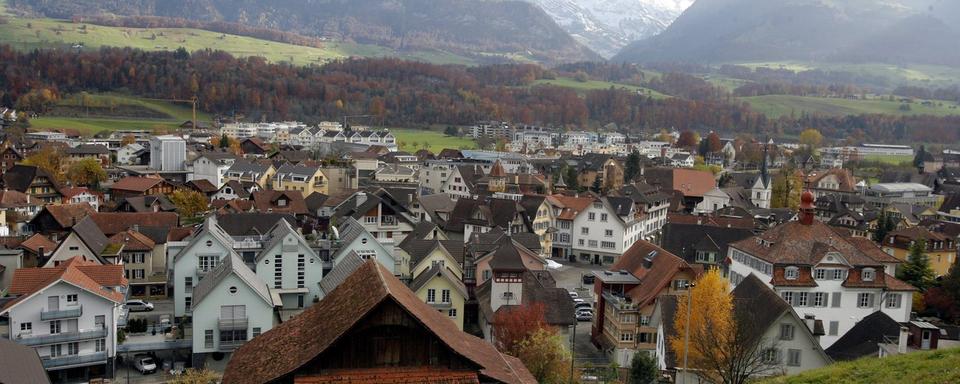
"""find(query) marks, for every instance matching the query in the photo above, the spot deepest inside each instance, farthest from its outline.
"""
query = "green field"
(411, 140)
(27, 34)
(930, 75)
(932, 367)
(786, 105)
(169, 116)
(591, 85)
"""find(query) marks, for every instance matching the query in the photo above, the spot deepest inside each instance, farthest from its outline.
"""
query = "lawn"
(27, 34)
(924, 75)
(888, 159)
(590, 85)
(169, 116)
(91, 126)
(786, 105)
(411, 140)
(932, 367)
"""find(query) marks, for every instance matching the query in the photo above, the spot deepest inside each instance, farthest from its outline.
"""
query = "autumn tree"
(189, 203)
(516, 324)
(688, 139)
(196, 376)
(811, 138)
(545, 355)
(127, 139)
(786, 190)
(916, 271)
(665, 136)
(47, 159)
(723, 345)
(86, 172)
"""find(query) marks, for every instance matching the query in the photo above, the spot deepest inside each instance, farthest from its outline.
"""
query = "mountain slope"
(511, 28)
(606, 26)
(809, 30)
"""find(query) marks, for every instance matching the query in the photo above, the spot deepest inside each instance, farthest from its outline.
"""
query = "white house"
(212, 166)
(128, 154)
(606, 228)
(354, 238)
(68, 313)
(290, 267)
(837, 280)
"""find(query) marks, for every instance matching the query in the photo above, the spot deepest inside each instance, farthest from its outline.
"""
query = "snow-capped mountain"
(606, 26)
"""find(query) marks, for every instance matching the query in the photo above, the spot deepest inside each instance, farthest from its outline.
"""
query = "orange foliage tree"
(513, 325)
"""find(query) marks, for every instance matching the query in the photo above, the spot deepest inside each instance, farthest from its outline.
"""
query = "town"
(276, 252)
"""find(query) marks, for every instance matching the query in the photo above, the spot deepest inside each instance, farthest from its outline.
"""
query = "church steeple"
(764, 172)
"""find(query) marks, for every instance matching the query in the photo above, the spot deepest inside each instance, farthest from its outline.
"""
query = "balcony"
(63, 337)
(619, 303)
(62, 313)
(71, 360)
(232, 323)
(230, 345)
(389, 221)
(439, 305)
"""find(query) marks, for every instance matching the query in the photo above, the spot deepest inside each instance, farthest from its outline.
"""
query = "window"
(278, 271)
(486, 274)
(232, 336)
(188, 283)
(793, 357)
(647, 338)
(786, 331)
(26, 327)
(787, 296)
(73, 348)
(55, 327)
(508, 295)
(138, 274)
(820, 274)
(839, 274)
(681, 284)
(208, 263)
(608, 244)
(256, 332)
(802, 299)
(868, 274)
(445, 296)
(644, 320)
(187, 303)
(74, 248)
(592, 243)
(792, 273)
(101, 345)
(627, 336)
(584, 231)
(431, 296)
(591, 216)
(603, 217)
(893, 300)
(208, 338)
(56, 350)
(581, 242)
(72, 298)
(452, 313)
(819, 299)
(771, 356)
(608, 233)
(834, 328)
(864, 300)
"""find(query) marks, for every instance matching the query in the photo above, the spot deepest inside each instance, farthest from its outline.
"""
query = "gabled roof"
(146, 203)
(654, 266)
(212, 228)
(292, 345)
(797, 244)
(133, 241)
(231, 265)
(66, 215)
(420, 249)
(136, 184)
(37, 241)
(19, 177)
(862, 340)
(20, 364)
(91, 235)
(15, 199)
(157, 222)
(202, 185)
(84, 274)
(267, 201)
(537, 287)
(88, 149)
(255, 223)
(315, 201)
(439, 270)
(340, 272)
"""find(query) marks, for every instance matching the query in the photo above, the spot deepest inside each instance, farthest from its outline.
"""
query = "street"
(570, 277)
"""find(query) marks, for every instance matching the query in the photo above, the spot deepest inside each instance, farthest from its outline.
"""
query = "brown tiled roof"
(266, 201)
(82, 273)
(497, 170)
(13, 199)
(654, 279)
(112, 223)
(869, 248)
(135, 184)
(178, 234)
(69, 214)
(133, 241)
(904, 237)
(794, 243)
(804, 278)
(399, 375)
(895, 284)
(36, 241)
(295, 343)
(571, 206)
(845, 178)
(202, 185)
(712, 220)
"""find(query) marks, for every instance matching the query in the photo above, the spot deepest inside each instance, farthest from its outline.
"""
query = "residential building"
(96, 152)
(832, 181)
(490, 129)
(883, 194)
(941, 250)
(168, 153)
(130, 154)
(77, 195)
(626, 296)
(144, 263)
(133, 186)
(838, 280)
(604, 229)
(33, 181)
(213, 167)
(247, 171)
(87, 242)
(385, 216)
(68, 314)
(348, 349)
(353, 238)
(600, 170)
(301, 178)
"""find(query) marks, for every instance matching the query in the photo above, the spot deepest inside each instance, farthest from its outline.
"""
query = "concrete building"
(168, 153)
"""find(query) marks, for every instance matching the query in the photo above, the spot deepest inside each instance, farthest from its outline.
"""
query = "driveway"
(570, 277)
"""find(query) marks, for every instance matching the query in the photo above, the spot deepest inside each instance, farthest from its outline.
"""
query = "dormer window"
(792, 273)
(869, 274)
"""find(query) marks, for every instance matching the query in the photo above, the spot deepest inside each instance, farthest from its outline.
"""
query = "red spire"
(807, 208)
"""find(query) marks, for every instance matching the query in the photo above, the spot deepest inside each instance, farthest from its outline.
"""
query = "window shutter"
(836, 300)
(870, 300)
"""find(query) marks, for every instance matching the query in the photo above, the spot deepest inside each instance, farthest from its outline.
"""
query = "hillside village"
(292, 252)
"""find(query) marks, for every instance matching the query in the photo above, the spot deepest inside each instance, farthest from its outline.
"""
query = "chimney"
(806, 208)
(40, 260)
(902, 341)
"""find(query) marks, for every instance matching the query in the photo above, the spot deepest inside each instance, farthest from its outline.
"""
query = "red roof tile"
(82, 273)
(392, 376)
(135, 184)
(36, 241)
(133, 241)
(69, 214)
(112, 223)
(654, 279)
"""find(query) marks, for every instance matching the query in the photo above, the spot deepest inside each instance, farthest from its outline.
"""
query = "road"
(570, 277)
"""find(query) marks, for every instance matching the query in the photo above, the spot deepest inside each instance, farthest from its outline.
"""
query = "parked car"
(573, 295)
(588, 279)
(144, 363)
(578, 301)
(583, 305)
(139, 306)
(584, 315)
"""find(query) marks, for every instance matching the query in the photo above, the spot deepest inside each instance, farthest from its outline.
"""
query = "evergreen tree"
(885, 224)
(632, 168)
(572, 179)
(224, 141)
(596, 185)
(643, 369)
(916, 270)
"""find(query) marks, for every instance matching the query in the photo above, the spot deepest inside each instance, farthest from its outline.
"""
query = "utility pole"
(573, 347)
(686, 333)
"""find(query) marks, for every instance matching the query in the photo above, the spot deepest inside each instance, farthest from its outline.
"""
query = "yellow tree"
(189, 203)
(194, 376)
(86, 172)
(545, 354)
(811, 138)
(48, 160)
(710, 315)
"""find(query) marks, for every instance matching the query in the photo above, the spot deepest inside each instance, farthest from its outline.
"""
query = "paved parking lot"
(570, 277)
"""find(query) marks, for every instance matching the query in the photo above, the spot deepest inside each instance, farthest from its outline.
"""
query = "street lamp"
(686, 336)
